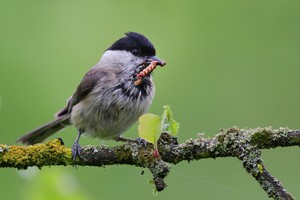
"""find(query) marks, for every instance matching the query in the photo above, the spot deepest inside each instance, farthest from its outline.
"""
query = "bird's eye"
(135, 51)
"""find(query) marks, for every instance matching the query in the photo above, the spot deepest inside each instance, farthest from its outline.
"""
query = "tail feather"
(45, 131)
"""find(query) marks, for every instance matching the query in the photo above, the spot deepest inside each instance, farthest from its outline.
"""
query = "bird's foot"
(76, 150)
(137, 140)
(141, 141)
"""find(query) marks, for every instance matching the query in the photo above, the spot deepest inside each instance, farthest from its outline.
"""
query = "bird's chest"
(123, 104)
(107, 114)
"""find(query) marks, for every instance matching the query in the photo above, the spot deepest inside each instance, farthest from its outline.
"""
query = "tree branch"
(244, 144)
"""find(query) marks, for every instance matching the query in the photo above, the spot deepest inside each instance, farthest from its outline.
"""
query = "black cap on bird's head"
(138, 45)
(135, 43)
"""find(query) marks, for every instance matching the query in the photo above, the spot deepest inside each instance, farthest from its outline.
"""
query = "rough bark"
(244, 144)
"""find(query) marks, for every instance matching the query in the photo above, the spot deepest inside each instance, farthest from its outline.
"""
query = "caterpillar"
(145, 72)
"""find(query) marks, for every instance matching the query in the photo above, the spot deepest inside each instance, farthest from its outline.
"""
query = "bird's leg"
(138, 140)
(76, 149)
(122, 139)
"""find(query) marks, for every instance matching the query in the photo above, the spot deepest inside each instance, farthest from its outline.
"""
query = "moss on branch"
(244, 144)
(21, 157)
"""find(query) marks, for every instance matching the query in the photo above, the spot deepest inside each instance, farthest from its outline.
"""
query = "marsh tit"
(109, 99)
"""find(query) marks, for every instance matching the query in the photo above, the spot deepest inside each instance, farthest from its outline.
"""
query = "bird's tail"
(45, 131)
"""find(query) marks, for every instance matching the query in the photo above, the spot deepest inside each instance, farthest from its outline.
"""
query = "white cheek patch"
(119, 57)
(120, 60)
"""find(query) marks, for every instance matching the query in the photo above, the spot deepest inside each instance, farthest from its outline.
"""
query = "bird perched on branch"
(111, 96)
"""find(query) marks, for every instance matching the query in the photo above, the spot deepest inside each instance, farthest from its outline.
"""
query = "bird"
(109, 99)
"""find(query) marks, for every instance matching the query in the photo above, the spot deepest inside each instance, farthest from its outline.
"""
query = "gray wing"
(86, 85)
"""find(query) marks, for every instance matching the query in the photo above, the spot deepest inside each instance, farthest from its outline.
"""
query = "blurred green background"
(229, 63)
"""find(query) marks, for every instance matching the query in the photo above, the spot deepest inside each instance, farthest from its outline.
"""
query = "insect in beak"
(154, 61)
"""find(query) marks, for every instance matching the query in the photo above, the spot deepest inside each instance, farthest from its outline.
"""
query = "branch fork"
(244, 144)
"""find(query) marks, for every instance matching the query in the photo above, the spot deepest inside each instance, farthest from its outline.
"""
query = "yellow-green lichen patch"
(21, 157)
(260, 168)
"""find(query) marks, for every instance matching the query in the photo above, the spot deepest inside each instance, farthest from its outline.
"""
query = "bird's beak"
(147, 67)
(157, 60)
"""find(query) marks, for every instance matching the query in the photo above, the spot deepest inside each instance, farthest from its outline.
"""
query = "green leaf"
(173, 127)
(168, 112)
(151, 126)
(147, 128)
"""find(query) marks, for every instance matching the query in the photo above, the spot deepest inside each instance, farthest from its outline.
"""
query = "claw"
(137, 140)
(141, 141)
(76, 148)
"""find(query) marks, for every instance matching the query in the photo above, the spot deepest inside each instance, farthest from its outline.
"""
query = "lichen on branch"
(22, 157)
(244, 144)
